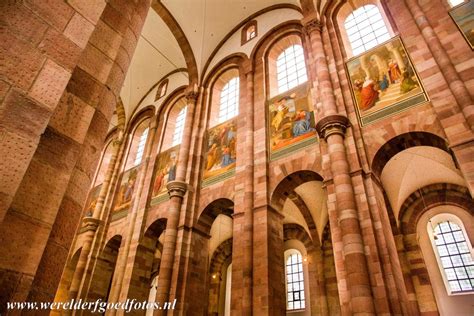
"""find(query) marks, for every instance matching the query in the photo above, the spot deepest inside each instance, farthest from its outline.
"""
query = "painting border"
(456, 23)
(394, 108)
(206, 182)
(289, 149)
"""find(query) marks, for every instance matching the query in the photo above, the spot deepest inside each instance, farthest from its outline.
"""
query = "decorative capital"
(332, 124)
(177, 188)
(192, 96)
(91, 223)
(312, 25)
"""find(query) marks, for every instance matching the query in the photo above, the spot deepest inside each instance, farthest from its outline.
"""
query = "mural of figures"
(126, 190)
(463, 16)
(291, 121)
(220, 152)
(92, 200)
(384, 81)
(165, 170)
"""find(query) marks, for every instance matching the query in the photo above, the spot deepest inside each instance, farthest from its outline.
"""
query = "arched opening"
(437, 266)
(301, 199)
(145, 274)
(290, 110)
(220, 273)
(136, 149)
(286, 65)
(62, 294)
(104, 270)
(213, 237)
(416, 170)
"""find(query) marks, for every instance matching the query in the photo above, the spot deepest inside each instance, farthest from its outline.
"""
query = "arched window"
(179, 126)
(137, 144)
(294, 281)
(291, 68)
(229, 101)
(366, 28)
(161, 91)
(141, 147)
(249, 32)
(454, 254)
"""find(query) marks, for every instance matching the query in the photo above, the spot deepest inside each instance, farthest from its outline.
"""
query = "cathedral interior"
(238, 157)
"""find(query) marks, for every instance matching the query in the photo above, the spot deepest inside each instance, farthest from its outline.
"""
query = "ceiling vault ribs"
(183, 42)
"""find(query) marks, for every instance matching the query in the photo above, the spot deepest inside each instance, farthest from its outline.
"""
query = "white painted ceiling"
(314, 196)
(205, 24)
(414, 168)
(157, 54)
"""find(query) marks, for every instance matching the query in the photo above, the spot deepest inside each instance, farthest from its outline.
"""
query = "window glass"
(455, 256)
(229, 103)
(179, 127)
(295, 282)
(141, 147)
(291, 68)
(366, 28)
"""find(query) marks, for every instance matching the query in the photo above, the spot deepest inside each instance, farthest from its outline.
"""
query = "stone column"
(457, 86)
(176, 190)
(242, 257)
(268, 271)
(405, 267)
(127, 251)
(97, 217)
(332, 127)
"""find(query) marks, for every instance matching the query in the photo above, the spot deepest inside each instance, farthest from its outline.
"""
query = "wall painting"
(165, 171)
(220, 153)
(92, 200)
(291, 122)
(125, 193)
(384, 82)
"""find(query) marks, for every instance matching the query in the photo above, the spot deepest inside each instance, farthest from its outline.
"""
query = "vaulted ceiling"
(201, 25)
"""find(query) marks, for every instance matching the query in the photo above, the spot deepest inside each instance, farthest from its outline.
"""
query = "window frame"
(431, 226)
(162, 90)
(179, 129)
(142, 141)
(245, 36)
(288, 254)
(288, 67)
(232, 93)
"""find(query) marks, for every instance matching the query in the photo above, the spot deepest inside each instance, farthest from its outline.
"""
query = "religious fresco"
(291, 121)
(220, 152)
(384, 82)
(165, 170)
(92, 200)
(126, 190)
(463, 16)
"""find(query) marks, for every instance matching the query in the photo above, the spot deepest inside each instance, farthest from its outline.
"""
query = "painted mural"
(126, 190)
(92, 200)
(384, 82)
(165, 170)
(220, 151)
(463, 16)
(291, 121)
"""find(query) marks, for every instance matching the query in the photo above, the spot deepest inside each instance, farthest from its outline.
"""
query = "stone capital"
(332, 124)
(177, 188)
(312, 25)
(192, 96)
(91, 223)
